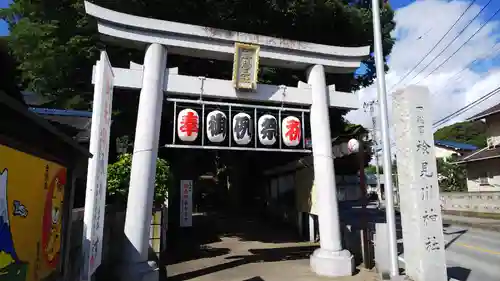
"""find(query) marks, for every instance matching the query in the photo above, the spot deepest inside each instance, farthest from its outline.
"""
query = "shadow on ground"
(446, 232)
(186, 245)
(458, 273)
(257, 256)
(192, 243)
(256, 278)
(249, 228)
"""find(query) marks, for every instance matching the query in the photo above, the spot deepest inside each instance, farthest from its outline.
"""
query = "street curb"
(472, 225)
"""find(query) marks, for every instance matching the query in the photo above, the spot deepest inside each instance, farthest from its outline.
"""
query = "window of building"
(484, 178)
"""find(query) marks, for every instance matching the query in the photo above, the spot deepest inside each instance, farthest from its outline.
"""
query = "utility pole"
(386, 141)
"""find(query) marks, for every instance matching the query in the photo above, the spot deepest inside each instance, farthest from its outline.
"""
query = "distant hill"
(464, 132)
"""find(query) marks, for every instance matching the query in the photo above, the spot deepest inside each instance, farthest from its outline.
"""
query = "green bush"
(452, 177)
(119, 178)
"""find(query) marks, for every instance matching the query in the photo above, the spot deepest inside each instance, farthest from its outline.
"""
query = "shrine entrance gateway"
(154, 81)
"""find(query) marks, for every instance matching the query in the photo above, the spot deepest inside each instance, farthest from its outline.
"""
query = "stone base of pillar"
(332, 264)
(144, 271)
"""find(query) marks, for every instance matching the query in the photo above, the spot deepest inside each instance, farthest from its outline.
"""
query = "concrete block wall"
(482, 202)
(113, 234)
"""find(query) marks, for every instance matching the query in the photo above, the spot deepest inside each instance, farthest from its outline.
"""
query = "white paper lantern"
(187, 125)
(353, 146)
(267, 129)
(216, 126)
(242, 128)
(291, 131)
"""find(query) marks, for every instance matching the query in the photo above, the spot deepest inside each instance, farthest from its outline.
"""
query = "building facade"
(483, 165)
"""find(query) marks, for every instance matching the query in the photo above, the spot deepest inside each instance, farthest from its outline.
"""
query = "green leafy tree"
(119, 178)
(464, 132)
(9, 72)
(372, 169)
(451, 176)
(56, 45)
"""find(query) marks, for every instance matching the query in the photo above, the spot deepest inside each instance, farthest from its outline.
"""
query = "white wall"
(443, 152)
(489, 169)
(493, 128)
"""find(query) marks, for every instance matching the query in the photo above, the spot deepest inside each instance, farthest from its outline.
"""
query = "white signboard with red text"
(95, 200)
(186, 203)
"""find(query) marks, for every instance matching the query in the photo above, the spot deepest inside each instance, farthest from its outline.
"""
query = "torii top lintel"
(211, 43)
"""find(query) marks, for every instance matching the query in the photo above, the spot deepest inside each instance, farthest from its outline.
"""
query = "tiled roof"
(61, 112)
(79, 120)
(490, 111)
(481, 154)
(455, 145)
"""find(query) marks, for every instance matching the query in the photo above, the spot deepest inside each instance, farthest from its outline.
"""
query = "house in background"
(74, 123)
(483, 165)
(77, 122)
(445, 149)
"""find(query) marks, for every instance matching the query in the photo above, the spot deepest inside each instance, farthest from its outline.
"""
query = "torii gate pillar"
(330, 259)
(143, 171)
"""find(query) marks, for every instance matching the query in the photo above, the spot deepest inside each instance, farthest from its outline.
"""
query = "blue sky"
(457, 71)
(3, 25)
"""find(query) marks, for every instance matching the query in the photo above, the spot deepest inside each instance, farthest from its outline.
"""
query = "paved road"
(471, 254)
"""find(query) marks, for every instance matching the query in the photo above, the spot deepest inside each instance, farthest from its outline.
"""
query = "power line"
(434, 47)
(454, 39)
(466, 108)
(454, 76)
(454, 53)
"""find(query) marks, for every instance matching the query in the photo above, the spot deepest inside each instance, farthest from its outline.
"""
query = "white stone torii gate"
(154, 80)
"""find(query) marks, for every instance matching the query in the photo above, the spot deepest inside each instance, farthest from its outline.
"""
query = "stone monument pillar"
(418, 185)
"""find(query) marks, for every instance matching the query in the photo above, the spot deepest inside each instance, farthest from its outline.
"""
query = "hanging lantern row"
(242, 128)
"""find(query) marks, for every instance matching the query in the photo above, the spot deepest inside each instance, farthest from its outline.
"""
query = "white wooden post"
(95, 198)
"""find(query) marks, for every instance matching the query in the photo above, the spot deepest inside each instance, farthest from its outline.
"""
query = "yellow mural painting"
(31, 204)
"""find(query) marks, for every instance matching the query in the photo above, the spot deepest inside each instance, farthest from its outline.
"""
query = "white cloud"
(419, 26)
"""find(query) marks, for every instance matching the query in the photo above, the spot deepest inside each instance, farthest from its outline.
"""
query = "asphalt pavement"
(472, 250)
(472, 254)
